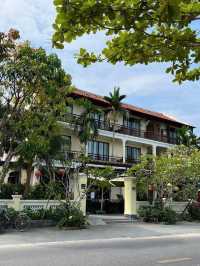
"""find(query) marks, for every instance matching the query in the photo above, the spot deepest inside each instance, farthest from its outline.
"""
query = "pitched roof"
(129, 107)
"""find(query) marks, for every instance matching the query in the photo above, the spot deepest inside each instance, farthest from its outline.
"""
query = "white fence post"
(16, 202)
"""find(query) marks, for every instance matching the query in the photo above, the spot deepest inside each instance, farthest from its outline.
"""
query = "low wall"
(20, 205)
(175, 205)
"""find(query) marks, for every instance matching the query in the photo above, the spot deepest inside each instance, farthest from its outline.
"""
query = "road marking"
(101, 240)
(174, 260)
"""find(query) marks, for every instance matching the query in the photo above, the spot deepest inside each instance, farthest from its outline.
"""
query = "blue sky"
(145, 86)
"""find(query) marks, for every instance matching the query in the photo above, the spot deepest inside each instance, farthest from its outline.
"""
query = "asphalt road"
(180, 250)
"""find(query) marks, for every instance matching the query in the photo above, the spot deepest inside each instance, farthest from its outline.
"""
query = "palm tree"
(187, 137)
(115, 100)
(85, 125)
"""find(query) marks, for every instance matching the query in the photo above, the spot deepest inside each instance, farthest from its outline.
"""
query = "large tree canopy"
(139, 31)
(33, 94)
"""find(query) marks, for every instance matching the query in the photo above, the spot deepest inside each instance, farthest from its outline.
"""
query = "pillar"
(154, 150)
(16, 203)
(124, 150)
(80, 191)
(130, 208)
(23, 176)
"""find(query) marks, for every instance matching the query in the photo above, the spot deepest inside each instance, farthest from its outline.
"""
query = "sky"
(145, 86)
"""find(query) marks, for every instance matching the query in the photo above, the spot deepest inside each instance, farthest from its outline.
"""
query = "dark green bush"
(169, 216)
(158, 214)
(53, 190)
(194, 211)
(72, 216)
(7, 190)
(66, 215)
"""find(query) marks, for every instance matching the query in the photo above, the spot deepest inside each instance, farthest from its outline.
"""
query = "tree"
(33, 94)
(115, 100)
(102, 179)
(86, 126)
(175, 173)
(7, 43)
(187, 137)
(139, 32)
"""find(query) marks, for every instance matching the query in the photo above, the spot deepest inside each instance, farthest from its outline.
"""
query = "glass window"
(69, 109)
(133, 153)
(98, 116)
(132, 123)
(98, 150)
(173, 135)
(66, 145)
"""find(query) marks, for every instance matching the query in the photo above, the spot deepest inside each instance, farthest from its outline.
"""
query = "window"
(132, 123)
(98, 116)
(14, 177)
(66, 144)
(69, 109)
(132, 154)
(173, 135)
(98, 150)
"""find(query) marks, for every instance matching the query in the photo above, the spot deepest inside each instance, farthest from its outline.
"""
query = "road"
(172, 250)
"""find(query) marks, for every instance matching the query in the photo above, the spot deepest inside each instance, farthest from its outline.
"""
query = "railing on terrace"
(106, 125)
(105, 159)
(97, 158)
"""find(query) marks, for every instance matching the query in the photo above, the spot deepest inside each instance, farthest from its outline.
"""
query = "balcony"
(110, 160)
(99, 159)
(106, 125)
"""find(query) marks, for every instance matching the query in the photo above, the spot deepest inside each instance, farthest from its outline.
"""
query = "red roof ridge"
(127, 106)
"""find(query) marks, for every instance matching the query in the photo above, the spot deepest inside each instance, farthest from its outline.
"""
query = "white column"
(80, 191)
(124, 150)
(154, 150)
(86, 149)
(130, 207)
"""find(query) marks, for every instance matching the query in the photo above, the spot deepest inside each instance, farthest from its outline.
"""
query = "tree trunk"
(102, 199)
(5, 166)
(28, 179)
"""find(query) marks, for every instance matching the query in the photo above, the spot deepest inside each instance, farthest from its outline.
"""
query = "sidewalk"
(109, 231)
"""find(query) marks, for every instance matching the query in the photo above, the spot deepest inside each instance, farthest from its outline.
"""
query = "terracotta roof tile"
(128, 107)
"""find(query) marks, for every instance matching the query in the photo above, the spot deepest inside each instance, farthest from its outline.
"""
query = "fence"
(20, 205)
(175, 205)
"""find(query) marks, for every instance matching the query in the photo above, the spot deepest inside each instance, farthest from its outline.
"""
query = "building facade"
(136, 132)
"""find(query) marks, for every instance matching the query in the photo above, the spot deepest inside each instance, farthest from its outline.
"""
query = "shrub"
(7, 190)
(66, 215)
(72, 216)
(194, 211)
(52, 190)
(169, 216)
(158, 214)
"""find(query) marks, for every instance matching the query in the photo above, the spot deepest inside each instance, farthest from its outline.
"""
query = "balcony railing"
(111, 160)
(106, 125)
(96, 158)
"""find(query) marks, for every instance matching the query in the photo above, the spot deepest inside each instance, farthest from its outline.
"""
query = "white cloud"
(32, 18)
(144, 84)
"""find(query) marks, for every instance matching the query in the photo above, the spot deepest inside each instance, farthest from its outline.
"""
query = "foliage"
(72, 216)
(86, 126)
(187, 137)
(67, 214)
(52, 190)
(115, 100)
(7, 43)
(179, 168)
(157, 214)
(7, 190)
(33, 94)
(101, 178)
(138, 32)
(194, 211)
